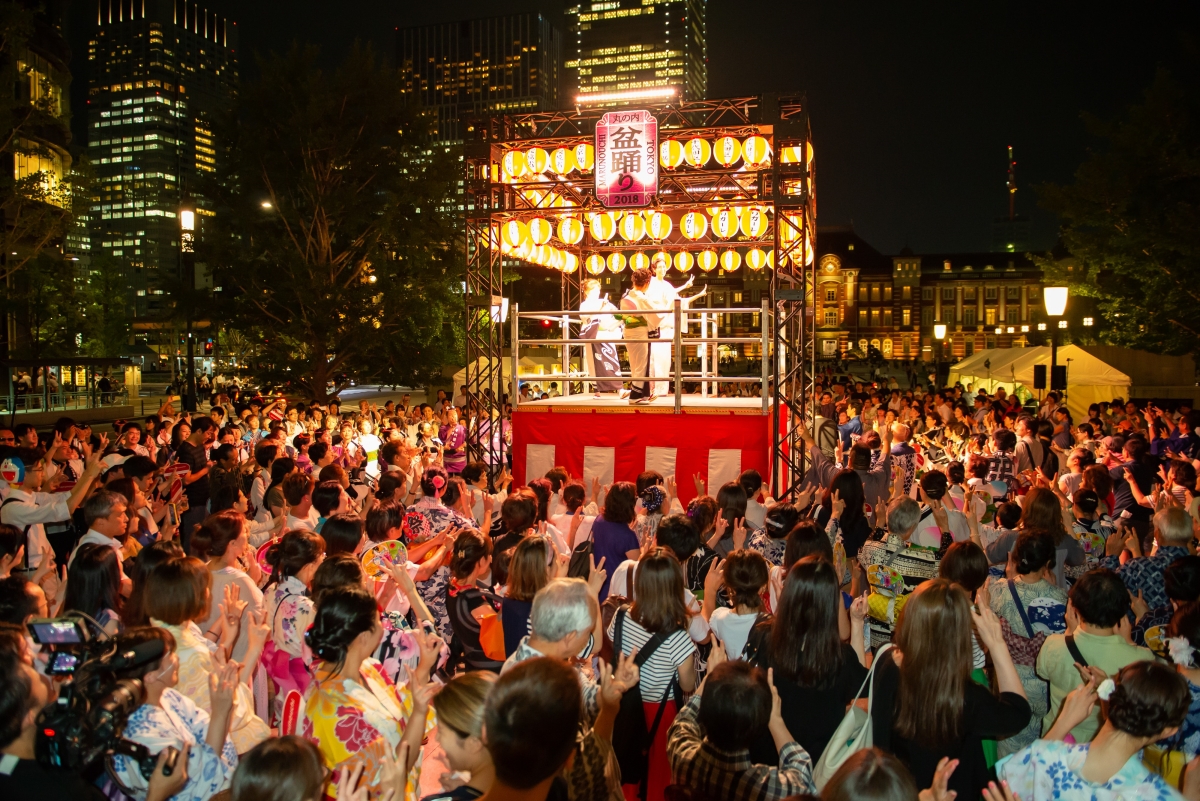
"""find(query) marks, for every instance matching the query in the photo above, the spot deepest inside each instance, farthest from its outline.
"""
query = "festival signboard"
(626, 172)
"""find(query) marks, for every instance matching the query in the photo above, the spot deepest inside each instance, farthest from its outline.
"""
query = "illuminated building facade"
(159, 72)
(505, 65)
(638, 47)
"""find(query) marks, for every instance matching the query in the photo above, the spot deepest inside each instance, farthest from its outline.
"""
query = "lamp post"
(939, 333)
(1055, 298)
(187, 246)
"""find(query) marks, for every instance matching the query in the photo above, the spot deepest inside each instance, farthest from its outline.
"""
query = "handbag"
(1024, 650)
(852, 735)
(491, 637)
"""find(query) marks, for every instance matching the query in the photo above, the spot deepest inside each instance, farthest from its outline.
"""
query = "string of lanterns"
(753, 152)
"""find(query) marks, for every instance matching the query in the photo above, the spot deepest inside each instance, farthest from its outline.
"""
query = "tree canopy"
(334, 242)
(1131, 221)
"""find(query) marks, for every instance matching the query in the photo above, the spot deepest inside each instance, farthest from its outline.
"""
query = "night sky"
(912, 104)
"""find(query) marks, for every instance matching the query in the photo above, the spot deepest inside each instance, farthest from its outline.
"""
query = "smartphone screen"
(173, 514)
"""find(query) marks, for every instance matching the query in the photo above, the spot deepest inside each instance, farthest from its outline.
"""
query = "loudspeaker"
(1058, 377)
(1039, 376)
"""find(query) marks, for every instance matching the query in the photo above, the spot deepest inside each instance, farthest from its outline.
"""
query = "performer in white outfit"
(637, 329)
(662, 295)
(602, 359)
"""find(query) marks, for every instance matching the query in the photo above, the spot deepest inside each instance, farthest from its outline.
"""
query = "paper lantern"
(570, 230)
(707, 260)
(683, 261)
(754, 221)
(724, 223)
(513, 164)
(584, 157)
(693, 225)
(540, 230)
(570, 262)
(755, 151)
(727, 151)
(616, 262)
(523, 250)
(639, 261)
(697, 152)
(537, 160)
(594, 264)
(562, 160)
(731, 260)
(603, 226)
(513, 233)
(658, 225)
(792, 155)
(539, 254)
(670, 153)
(632, 228)
(756, 259)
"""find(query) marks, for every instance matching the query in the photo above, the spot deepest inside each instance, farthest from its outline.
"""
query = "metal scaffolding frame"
(786, 190)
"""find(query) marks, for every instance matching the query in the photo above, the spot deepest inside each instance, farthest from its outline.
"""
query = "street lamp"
(939, 333)
(1055, 298)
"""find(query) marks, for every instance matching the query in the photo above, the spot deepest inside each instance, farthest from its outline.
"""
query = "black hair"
(648, 478)
(470, 547)
(1181, 580)
(1005, 440)
(1100, 597)
(935, 484)
(805, 539)
(11, 539)
(1033, 551)
(224, 452)
(531, 718)
(294, 550)
(325, 497)
(1008, 515)
(429, 481)
(93, 581)
(679, 535)
(541, 487)
(780, 520)
(16, 695)
(340, 617)
(283, 768)
(16, 603)
(751, 481)
(1149, 697)
(732, 500)
(473, 472)
(342, 534)
(735, 704)
(966, 565)
(956, 472)
(265, 453)
(1086, 499)
(318, 451)
(138, 466)
(342, 570)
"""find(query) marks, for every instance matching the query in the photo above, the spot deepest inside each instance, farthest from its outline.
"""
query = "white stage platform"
(690, 404)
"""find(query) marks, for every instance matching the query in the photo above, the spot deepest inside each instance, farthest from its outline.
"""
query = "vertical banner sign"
(626, 159)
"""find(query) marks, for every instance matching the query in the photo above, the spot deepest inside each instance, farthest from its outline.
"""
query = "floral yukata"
(361, 723)
(1048, 770)
(286, 657)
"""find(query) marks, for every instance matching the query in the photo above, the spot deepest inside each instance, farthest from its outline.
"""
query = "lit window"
(1088, 321)
(1062, 323)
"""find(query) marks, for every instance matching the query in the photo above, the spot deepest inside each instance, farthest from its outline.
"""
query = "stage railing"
(707, 319)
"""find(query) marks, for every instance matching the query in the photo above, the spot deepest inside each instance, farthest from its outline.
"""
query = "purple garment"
(612, 541)
(454, 453)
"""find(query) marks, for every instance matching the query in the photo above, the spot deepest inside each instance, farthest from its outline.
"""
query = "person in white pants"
(662, 295)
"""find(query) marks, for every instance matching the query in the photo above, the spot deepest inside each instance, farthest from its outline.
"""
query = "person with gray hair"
(104, 514)
(1143, 575)
(914, 564)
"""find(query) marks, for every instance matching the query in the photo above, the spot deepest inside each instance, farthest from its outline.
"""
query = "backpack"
(631, 738)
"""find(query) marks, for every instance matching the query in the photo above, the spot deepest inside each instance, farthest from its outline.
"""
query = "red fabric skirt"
(659, 772)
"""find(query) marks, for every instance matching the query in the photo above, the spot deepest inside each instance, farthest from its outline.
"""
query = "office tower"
(502, 65)
(642, 49)
(159, 72)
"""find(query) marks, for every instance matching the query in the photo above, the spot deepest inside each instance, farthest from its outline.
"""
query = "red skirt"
(659, 770)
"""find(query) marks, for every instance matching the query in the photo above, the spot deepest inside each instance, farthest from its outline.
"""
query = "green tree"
(353, 269)
(45, 305)
(1131, 221)
(104, 290)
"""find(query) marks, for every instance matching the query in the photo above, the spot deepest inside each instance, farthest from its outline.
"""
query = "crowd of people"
(969, 597)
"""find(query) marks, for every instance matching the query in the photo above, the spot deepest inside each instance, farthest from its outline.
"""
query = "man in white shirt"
(106, 519)
(662, 295)
(28, 509)
(460, 400)
(297, 491)
(1028, 454)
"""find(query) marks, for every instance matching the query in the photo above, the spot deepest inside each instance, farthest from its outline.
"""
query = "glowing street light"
(1055, 298)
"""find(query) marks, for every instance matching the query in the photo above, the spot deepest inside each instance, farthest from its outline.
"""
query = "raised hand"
(232, 607)
(222, 683)
(713, 579)
(596, 574)
(739, 533)
(858, 609)
(721, 525)
(698, 483)
(838, 505)
(941, 777)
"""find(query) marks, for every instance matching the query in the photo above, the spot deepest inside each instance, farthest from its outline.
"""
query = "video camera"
(86, 722)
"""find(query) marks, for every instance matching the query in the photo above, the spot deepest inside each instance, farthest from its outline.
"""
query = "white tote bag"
(852, 734)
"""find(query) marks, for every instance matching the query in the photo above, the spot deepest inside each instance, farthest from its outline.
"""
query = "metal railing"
(36, 401)
(706, 319)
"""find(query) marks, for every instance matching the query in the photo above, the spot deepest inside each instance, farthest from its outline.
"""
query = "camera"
(84, 725)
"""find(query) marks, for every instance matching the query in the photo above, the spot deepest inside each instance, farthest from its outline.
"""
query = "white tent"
(1089, 380)
(477, 371)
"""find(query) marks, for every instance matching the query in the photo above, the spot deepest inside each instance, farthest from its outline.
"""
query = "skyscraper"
(158, 73)
(500, 65)
(642, 48)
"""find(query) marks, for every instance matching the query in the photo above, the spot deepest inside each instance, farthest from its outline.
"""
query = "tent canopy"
(1089, 379)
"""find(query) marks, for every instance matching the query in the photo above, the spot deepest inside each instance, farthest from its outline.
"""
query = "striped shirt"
(660, 668)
